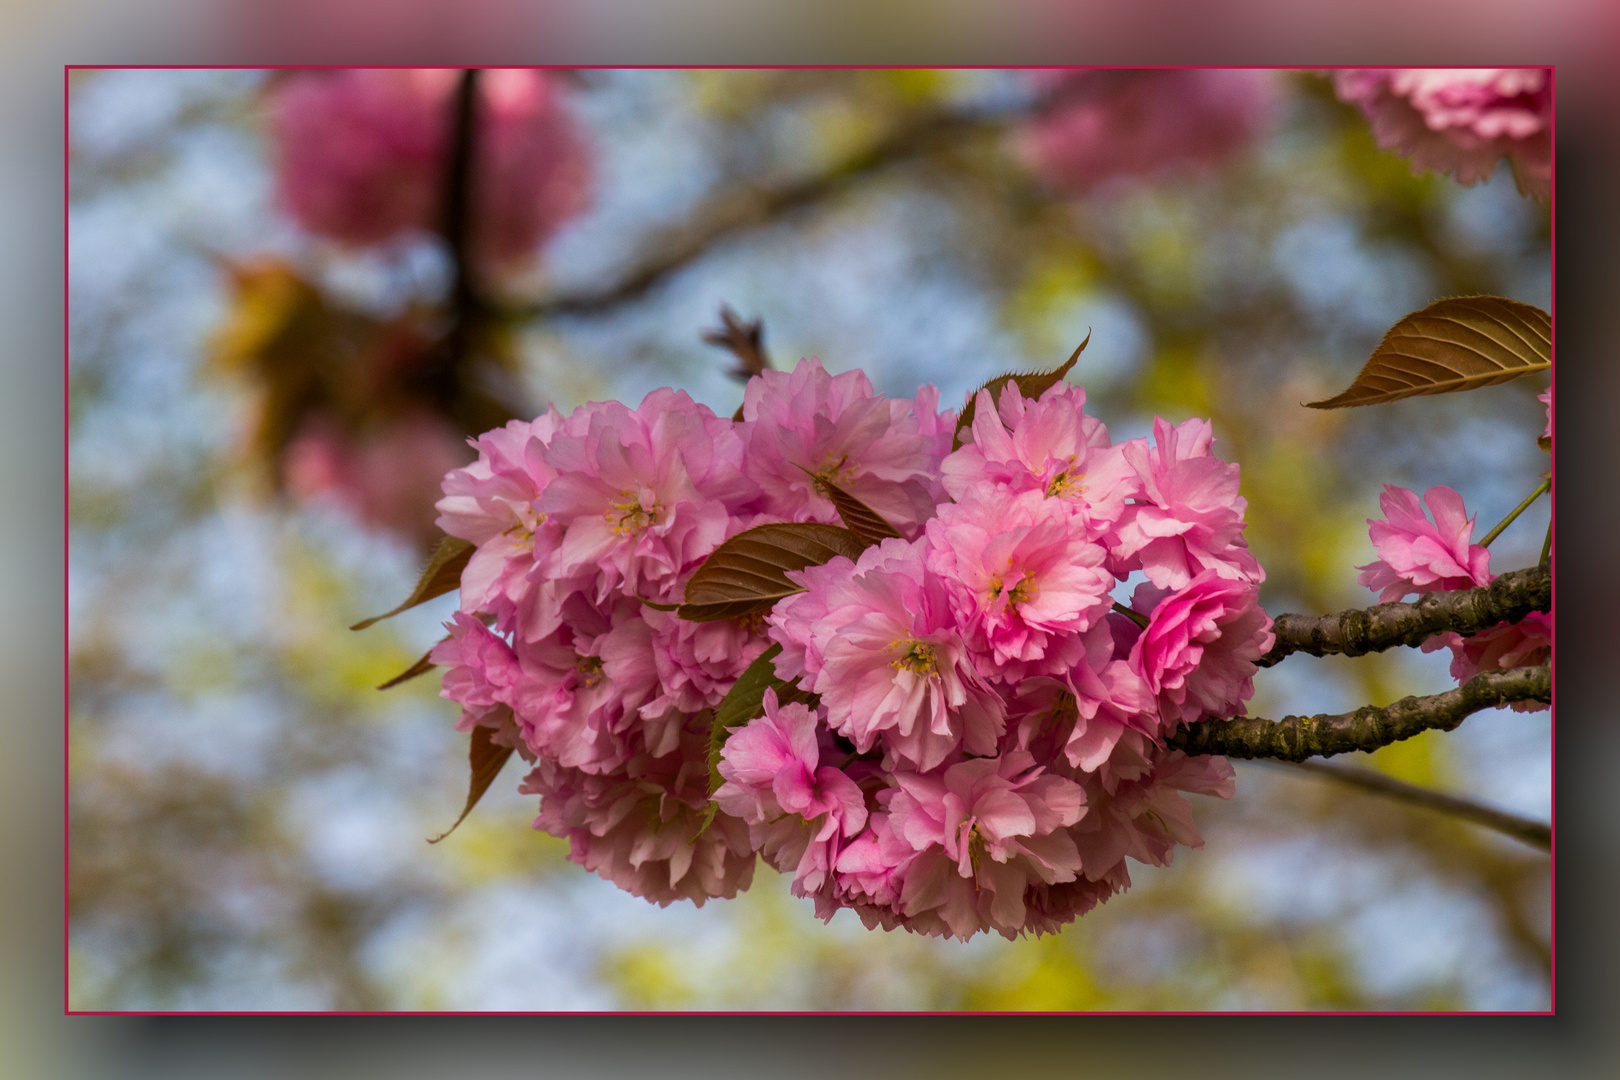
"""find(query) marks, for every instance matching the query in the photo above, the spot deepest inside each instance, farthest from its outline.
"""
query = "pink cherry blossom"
(491, 504)
(798, 812)
(387, 474)
(1197, 654)
(1190, 518)
(361, 156)
(1102, 125)
(481, 671)
(1023, 578)
(887, 659)
(985, 829)
(1146, 818)
(1049, 446)
(1460, 121)
(1545, 397)
(642, 827)
(583, 690)
(806, 425)
(643, 495)
(1525, 643)
(1417, 556)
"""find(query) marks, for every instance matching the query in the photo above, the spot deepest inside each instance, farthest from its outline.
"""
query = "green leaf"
(442, 575)
(742, 703)
(746, 701)
(1030, 384)
(867, 524)
(748, 573)
(485, 760)
(1458, 344)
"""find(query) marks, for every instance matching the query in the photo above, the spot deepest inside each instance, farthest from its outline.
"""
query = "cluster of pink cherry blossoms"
(362, 155)
(1460, 121)
(1419, 555)
(965, 731)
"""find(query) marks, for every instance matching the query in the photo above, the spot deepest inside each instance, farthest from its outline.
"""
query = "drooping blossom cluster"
(362, 154)
(1100, 125)
(974, 735)
(1460, 121)
(1417, 555)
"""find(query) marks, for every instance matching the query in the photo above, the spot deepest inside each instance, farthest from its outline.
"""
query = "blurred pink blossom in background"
(1103, 124)
(361, 156)
(387, 474)
(1460, 121)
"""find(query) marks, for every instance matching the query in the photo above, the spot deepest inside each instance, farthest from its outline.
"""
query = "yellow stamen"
(916, 656)
(631, 516)
(590, 669)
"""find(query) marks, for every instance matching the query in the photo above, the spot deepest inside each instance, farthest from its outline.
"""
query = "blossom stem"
(1545, 486)
(1384, 626)
(1546, 547)
(1295, 738)
(1534, 833)
(1135, 616)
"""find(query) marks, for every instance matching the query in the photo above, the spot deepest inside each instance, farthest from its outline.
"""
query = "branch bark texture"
(1296, 738)
(1383, 626)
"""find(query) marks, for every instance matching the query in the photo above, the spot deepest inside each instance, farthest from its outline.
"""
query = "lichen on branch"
(1296, 738)
(1383, 626)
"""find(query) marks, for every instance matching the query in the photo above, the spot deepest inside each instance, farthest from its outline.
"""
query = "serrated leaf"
(421, 667)
(441, 575)
(1458, 344)
(867, 524)
(1031, 384)
(748, 573)
(484, 760)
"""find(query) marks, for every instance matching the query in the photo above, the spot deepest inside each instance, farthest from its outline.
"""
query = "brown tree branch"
(1509, 598)
(1295, 738)
(1535, 833)
(466, 308)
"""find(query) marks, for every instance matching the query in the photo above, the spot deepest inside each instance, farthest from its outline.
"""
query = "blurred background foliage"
(247, 814)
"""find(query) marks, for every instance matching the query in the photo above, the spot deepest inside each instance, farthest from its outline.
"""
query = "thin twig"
(1546, 485)
(1295, 738)
(1384, 626)
(1532, 832)
(744, 340)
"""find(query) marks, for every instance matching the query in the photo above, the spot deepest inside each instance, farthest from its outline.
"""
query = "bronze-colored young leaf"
(1457, 344)
(867, 524)
(442, 575)
(421, 667)
(1030, 384)
(748, 573)
(485, 760)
